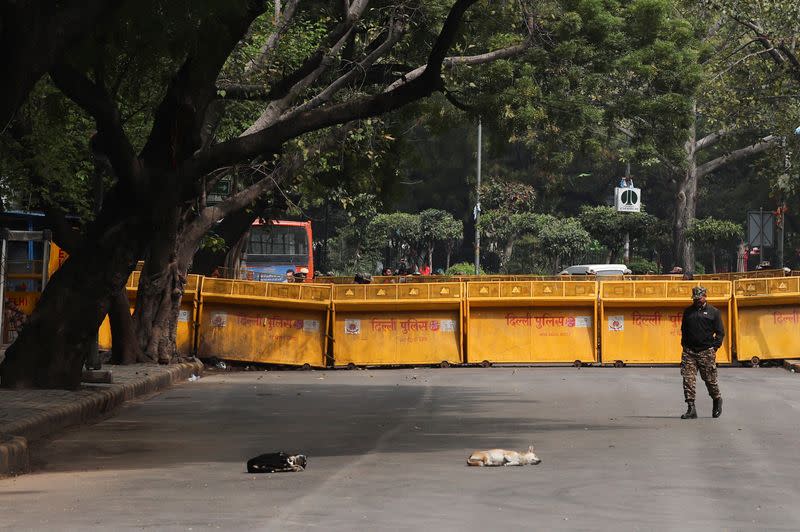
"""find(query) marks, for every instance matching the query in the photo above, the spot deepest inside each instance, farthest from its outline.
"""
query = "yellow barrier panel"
(187, 315)
(532, 321)
(18, 306)
(271, 323)
(767, 314)
(401, 279)
(640, 321)
(654, 277)
(733, 276)
(397, 324)
(104, 335)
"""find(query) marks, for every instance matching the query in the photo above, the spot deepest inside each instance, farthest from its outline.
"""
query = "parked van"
(597, 269)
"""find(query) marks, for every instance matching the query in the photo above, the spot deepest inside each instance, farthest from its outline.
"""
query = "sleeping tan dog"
(501, 457)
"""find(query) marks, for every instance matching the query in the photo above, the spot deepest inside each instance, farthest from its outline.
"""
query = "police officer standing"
(701, 335)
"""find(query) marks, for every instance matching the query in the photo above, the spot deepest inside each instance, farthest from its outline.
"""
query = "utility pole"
(627, 247)
(477, 212)
(763, 236)
(780, 221)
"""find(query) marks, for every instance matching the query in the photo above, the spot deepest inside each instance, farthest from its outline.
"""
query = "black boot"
(691, 413)
(717, 409)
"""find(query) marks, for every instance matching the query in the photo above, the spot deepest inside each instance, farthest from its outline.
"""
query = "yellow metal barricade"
(187, 314)
(270, 323)
(733, 276)
(397, 324)
(532, 322)
(640, 321)
(654, 277)
(767, 315)
(18, 306)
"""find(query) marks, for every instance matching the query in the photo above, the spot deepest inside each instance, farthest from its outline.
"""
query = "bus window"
(277, 240)
(276, 247)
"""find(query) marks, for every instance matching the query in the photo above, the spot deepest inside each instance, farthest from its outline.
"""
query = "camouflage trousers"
(705, 361)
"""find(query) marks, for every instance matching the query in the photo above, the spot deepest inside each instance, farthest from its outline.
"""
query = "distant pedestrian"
(362, 278)
(301, 275)
(701, 335)
(289, 276)
(402, 268)
(626, 182)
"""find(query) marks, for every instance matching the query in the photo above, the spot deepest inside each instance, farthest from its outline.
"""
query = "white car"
(597, 269)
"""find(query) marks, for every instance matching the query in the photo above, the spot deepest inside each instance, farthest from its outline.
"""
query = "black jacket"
(702, 328)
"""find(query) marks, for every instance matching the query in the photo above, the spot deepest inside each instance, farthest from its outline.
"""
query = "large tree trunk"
(686, 205)
(157, 306)
(688, 176)
(124, 344)
(51, 348)
(685, 210)
(160, 291)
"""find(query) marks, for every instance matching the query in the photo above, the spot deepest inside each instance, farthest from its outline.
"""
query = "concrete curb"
(14, 454)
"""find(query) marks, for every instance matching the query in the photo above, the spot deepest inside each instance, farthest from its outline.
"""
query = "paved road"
(387, 451)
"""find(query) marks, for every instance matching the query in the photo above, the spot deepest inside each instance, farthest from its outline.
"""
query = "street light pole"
(478, 204)
(627, 246)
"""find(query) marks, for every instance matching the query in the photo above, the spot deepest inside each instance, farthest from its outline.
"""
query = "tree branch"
(788, 60)
(176, 130)
(64, 235)
(94, 99)
(281, 88)
(281, 24)
(456, 103)
(736, 155)
(234, 205)
(376, 73)
(36, 34)
(277, 107)
(711, 139)
(270, 139)
(488, 57)
(243, 91)
(791, 56)
(393, 36)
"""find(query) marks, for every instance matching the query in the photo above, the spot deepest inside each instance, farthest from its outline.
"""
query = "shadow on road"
(216, 422)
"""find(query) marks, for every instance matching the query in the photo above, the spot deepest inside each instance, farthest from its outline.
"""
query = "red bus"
(275, 246)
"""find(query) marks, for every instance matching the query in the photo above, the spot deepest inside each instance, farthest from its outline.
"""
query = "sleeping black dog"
(276, 462)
